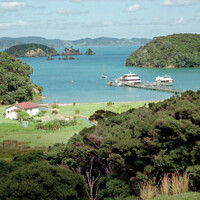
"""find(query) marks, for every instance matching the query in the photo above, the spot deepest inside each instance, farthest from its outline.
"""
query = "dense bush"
(15, 83)
(54, 124)
(28, 177)
(178, 50)
(138, 144)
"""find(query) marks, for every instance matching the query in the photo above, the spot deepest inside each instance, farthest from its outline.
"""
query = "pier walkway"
(153, 86)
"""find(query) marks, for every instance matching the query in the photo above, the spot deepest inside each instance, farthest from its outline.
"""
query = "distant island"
(7, 42)
(70, 51)
(173, 51)
(31, 50)
(89, 52)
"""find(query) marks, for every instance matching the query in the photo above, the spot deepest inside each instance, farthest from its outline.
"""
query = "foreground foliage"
(15, 82)
(28, 177)
(178, 50)
(135, 146)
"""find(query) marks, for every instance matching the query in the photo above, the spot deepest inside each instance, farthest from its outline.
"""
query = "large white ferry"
(164, 80)
(130, 78)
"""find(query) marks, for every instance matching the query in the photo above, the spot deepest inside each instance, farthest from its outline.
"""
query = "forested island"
(31, 50)
(15, 82)
(178, 50)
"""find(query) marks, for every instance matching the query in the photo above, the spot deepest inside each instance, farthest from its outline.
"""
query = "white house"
(29, 107)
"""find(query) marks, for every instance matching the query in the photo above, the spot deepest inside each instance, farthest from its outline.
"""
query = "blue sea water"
(79, 80)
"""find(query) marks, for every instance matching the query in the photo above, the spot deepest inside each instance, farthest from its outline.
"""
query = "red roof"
(26, 105)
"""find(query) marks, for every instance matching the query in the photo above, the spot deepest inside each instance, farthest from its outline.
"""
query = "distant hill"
(178, 50)
(7, 42)
(105, 41)
(31, 50)
(28, 40)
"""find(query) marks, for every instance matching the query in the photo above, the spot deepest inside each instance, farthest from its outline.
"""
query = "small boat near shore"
(103, 76)
(164, 80)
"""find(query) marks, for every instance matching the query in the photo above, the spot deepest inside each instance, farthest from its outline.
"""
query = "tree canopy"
(178, 50)
(15, 82)
(29, 177)
(136, 145)
(29, 50)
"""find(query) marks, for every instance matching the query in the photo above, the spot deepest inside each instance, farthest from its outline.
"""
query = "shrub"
(55, 106)
(77, 112)
(39, 125)
(22, 115)
(110, 103)
(52, 125)
(74, 103)
(41, 113)
(42, 181)
(54, 112)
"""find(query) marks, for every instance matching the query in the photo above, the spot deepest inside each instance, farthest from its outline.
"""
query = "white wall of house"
(32, 111)
(10, 112)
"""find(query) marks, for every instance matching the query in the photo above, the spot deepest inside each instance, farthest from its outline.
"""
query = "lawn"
(11, 130)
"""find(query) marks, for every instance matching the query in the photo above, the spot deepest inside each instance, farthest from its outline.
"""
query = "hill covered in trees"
(7, 42)
(117, 157)
(178, 50)
(125, 150)
(15, 82)
(31, 50)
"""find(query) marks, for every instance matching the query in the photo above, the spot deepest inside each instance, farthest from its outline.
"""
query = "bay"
(79, 80)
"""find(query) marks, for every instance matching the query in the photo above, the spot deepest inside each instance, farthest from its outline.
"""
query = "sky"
(77, 19)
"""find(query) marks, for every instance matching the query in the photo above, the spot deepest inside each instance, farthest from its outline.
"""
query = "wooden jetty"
(153, 86)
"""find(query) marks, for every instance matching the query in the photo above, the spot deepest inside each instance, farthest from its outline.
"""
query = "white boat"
(130, 78)
(115, 82)
(164, 80)
(104, 76)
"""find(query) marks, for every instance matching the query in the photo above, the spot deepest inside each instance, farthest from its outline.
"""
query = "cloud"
(12, 6)
(179, 2)
(133, 8)
(15, 24)
(70, 12)
(179, 20)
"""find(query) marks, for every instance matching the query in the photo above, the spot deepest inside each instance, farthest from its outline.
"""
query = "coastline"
(71, 104)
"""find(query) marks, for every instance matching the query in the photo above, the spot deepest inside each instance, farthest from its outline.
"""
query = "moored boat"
(104, 76)
(164, 80)
(130, 78)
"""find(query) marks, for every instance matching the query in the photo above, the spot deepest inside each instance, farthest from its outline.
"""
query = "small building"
(29, 107)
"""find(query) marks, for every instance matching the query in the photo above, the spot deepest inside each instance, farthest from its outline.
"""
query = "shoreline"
(71, 104)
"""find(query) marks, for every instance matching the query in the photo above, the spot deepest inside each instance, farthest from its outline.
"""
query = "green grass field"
(11, 130)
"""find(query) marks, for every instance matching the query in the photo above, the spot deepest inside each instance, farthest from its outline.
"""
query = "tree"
(15, 83)
(22, 115)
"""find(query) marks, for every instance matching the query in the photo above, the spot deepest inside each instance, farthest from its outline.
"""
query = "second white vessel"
(164, 80)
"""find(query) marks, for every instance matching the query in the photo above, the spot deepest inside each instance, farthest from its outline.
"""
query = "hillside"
(105, 41)
(178, 50)
(6, 42)
(15, 82)
(126, 149)
(31, 50)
